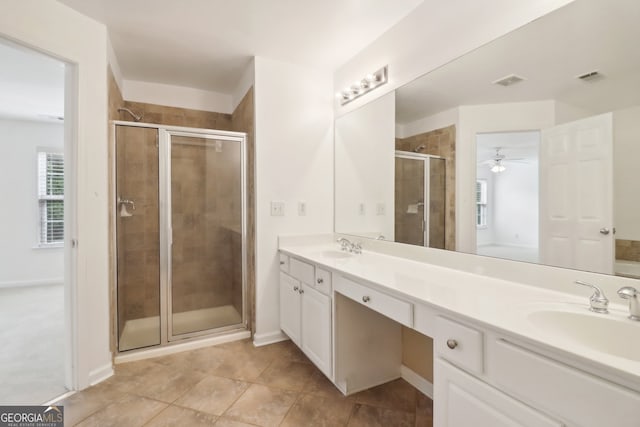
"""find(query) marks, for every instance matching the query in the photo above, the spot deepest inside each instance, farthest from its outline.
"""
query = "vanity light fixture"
(366, 85)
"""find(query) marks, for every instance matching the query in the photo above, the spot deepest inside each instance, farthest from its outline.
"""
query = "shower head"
(419, 148)
(136, 118)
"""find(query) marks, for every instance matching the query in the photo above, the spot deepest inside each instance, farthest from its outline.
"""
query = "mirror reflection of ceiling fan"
(498, 161)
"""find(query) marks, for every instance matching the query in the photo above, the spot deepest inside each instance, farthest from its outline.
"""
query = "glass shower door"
(409, 201)
(206, 278)
(137, 237)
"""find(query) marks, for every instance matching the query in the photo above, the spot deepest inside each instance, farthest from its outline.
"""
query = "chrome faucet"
(598, 302)
(347, 245)
(344, 243)
(633, 296)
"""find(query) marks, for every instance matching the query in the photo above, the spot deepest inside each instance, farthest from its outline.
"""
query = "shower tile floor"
(32, 349)
(236, 385)
(138, 333)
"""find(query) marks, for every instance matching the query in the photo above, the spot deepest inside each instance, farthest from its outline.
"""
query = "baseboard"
(32, 283)
(417, 381)
(102, 373)
(133, 355)
(269, 338)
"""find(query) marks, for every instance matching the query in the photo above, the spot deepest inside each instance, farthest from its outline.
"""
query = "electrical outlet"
(361, 209)
(302, 208)
(277, 208)
(381, 209)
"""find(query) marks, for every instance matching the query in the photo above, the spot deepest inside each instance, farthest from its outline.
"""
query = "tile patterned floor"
(239, 385)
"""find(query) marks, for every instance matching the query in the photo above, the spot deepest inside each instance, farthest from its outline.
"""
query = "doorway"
(34, 224)
(507, 196)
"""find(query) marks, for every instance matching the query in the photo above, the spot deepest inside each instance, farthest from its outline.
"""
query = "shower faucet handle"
(127, 202)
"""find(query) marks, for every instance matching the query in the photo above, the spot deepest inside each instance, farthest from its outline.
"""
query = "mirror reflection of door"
(576, 188)
(419, 216)
(507, 195)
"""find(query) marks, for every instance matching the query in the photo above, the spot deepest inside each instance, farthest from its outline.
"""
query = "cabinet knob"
(452, 343)
(365, 298)
(281, 262)
(320, 281)
(301, 291)
(295, 288)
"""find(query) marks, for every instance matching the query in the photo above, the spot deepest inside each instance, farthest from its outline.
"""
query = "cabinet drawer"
(575, 396)
(466, 342)
(301, 271)
(323, 281)
(394, 308)
(284, 263)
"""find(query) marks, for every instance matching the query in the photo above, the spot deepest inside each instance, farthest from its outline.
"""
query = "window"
(51, 198)
(481, 203)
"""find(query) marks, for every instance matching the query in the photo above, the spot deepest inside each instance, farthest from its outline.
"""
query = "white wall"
(294, 162)
(60, 31)
(626, 178)
(176, 96)
(23, 262)
(364, 167)
(515, 206)
(427, 124)
(435, 33)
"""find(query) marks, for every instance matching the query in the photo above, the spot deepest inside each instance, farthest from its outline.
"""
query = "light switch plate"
(277, 208)
(381, 209)
(361, 209)
(302, 208)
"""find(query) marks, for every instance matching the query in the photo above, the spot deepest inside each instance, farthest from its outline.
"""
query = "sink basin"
(617, 336)
(335, 254)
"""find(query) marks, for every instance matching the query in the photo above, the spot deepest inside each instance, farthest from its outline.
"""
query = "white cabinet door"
(316, 328)
(462, 401)
(290, 307)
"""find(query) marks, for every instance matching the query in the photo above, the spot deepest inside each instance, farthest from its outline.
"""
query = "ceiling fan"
(496, 163)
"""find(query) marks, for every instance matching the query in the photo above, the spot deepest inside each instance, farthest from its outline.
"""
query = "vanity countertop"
(499, 304)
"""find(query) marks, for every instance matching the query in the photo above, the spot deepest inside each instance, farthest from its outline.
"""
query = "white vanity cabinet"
(483, 378)
(305, 310)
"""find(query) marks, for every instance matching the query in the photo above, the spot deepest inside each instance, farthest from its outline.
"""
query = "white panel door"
(576, 195)
(316, 328)
(463, 401)
(290, 307)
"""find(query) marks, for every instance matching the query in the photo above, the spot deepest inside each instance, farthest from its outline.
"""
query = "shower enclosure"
(180, 233)
(420, 199)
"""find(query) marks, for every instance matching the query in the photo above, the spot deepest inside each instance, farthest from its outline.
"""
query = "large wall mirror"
(527, 148)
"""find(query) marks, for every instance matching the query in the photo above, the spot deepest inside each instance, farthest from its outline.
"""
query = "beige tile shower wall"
(628, 250)
(242, 120)
(174, 116)
(440, 142)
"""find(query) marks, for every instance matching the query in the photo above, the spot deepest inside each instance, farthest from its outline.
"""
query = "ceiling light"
(365, 85)
(498, 167)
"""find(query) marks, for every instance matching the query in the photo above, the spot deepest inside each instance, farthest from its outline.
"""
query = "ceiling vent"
(509, 80)
(590, 76)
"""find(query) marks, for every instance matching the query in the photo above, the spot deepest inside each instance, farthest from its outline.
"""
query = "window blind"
(51, 197)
